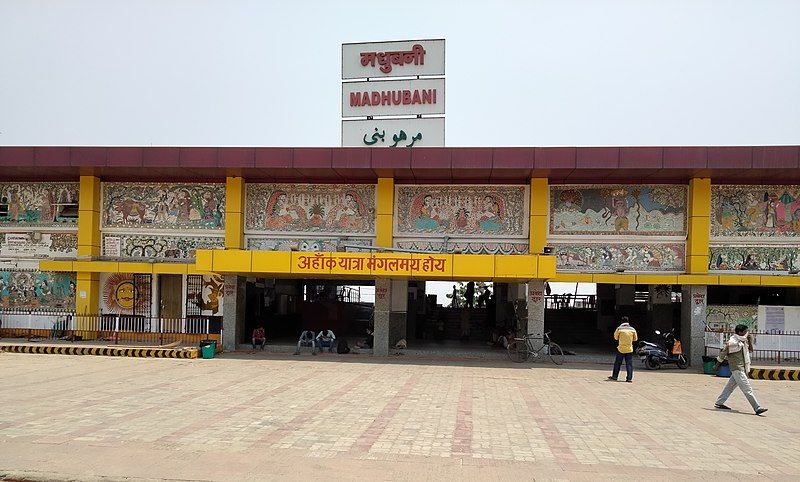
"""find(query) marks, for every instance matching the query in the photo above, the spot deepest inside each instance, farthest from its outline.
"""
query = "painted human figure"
(620, 209)
(209, 208)
(280, 213)
(488, 218)
(13, 206)
(426, 221)
(47, 208)
(184, 206)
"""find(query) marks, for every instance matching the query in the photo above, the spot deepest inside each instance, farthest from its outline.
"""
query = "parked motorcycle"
(654, 355)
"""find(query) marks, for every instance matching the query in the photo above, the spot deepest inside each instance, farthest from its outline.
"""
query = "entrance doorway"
(171, 295)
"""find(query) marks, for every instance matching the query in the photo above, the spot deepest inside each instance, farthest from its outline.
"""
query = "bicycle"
(521, 349)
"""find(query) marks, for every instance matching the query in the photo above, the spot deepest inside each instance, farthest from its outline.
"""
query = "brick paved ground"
(354, 417)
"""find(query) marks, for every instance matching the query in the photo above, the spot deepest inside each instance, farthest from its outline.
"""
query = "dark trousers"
(628, 357)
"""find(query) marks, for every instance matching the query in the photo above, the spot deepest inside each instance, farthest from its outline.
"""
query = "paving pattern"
(357, 416)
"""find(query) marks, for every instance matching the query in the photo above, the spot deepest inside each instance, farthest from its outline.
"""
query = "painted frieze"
(121, 293)
(754, 258)
(656, 210)
(461, 211)
(465, 247)
(726, 317)
(755, 211)
(157, 247)
(37, 290)
(310, 208)
(38, 204)
(163, 206)
(258, 243)
(630, 256)
(38, 245)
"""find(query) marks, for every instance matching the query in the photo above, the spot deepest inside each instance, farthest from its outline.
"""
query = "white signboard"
(395, 133)
(112, 246)
(393, 59)
(393, 97)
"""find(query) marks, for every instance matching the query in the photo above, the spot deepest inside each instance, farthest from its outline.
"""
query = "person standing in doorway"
(625, 335)
(737, 351)
(454, 303)
(470, 294)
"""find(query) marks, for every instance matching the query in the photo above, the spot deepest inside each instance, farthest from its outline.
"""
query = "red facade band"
(386, 59)
(399, 265)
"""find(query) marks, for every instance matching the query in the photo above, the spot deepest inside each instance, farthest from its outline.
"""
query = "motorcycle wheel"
(682, 363)
(651, 363)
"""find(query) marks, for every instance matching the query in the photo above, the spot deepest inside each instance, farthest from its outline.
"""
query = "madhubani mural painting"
(754, 258)
(157, 247)
(119, 293)
(207, 297)
(609, 257)
(755, 211)
(37, 290)
(163, 206)
(463, 211)
(35, 245)
(38, 204)
(464, 247)
(642, 210)
(726, 317)
(311, 208)
(306, 244)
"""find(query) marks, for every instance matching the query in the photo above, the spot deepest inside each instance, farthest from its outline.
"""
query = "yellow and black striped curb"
(102, 351)
(775, 373)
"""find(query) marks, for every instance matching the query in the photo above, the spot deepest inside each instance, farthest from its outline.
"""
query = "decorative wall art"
(612, 210)
(311, 208)
(755, 211)
(754, 258)
(464, 247)
(38, 204)
(164, 206)
(305, 244)
(209, 297)
(461, 211)
(120, 295)
(157, 247)
(37, 290)
(630, 256)
(726, 317)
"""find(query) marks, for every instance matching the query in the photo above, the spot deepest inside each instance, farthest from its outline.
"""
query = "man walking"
(625, 335)
(737, 351)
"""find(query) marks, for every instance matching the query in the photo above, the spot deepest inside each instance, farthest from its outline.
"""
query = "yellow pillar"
(87, 286)
(540, 200)
(234, 213)
(699, 228)
(384, 212)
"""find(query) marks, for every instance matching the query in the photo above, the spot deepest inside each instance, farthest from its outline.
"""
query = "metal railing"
(570, 301)
(118, 329)
(775, 346)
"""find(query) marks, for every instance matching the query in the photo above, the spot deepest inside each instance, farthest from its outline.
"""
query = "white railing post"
(208, 326)
(116, 329)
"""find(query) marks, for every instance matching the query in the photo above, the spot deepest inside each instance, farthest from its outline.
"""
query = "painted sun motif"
(119, 293)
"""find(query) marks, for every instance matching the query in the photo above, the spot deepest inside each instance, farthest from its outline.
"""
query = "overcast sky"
(518, 73)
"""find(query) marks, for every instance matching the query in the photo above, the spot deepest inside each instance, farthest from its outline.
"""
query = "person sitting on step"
(306, 339)
(259, 338)
(326, 339)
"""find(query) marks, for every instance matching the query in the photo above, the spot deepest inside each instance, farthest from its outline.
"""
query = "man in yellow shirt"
(625, 335)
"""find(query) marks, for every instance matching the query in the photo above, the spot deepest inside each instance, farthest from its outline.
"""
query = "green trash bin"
(708, 365)
(208, 348)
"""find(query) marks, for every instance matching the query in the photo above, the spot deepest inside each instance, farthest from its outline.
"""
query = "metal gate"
(142, 295)
(194, 295)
